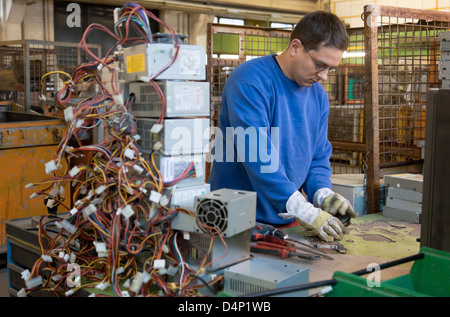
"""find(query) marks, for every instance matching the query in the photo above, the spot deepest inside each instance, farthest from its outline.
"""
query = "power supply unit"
(182, 99)
(184, 196)
(175, 136)
(144, 61)
(261, 274)
(229, 211)
(172, 167)
(198, 248)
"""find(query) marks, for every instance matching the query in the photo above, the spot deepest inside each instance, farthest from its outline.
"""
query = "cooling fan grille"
(213, 213)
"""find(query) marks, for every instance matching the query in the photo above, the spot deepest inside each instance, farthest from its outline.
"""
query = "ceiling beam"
(288, 11)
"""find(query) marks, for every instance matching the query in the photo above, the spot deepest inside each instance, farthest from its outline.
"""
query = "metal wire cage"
(345, 89)
(23, 63)
(229, 46)
(402, 53)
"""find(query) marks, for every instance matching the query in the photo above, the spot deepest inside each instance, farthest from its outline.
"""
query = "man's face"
(308, 67)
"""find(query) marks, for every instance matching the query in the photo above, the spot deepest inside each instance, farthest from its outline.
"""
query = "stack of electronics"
(444, 62)
(172, 113)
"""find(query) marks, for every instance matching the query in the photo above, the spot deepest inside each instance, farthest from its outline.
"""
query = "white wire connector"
(47, 258)
(138, 169)
(50, 167)
(326, 289)
(147, 278)
(100, 247)
(69, 292)
(172, 270)
(68, 227)
(34, 195)
(145, 79)
(79, 123)
(74, 171)
(127, 212)
(25, 274)
(156, 128)
(129, 189)
(100, 189)
(137, 282)
(118, 99)
(157, 146)
(89, 210)
(34, 282)
(30, 185)
(164, 201)
(22, 293)
(73, 211)
(129, 154)
(68, 114)
(155, 196)
(102, 286)
(159, 264)
(120, 270)
(54, 192)
(42, 97)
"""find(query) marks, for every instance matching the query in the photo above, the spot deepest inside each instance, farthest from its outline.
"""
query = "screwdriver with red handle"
(265, 231)
(281, 250)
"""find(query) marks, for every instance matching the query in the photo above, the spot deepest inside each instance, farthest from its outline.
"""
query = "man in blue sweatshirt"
(273, 133)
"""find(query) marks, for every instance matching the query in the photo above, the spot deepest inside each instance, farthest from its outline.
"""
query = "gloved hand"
(321, 223)
(333, 203)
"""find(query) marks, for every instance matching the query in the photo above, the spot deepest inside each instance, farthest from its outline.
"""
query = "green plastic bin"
(429, 276)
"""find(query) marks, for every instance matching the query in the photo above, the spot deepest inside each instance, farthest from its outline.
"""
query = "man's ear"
(295, 46)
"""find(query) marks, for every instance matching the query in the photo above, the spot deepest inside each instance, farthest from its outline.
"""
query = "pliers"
(280, 250)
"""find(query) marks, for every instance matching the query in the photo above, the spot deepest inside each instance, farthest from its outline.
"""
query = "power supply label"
(135, 63)
(188, 98)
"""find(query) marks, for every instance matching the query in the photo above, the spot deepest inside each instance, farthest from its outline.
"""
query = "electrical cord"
(115, 210)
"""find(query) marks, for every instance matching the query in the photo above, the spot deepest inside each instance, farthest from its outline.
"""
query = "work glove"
(321, 223)
(333, 203)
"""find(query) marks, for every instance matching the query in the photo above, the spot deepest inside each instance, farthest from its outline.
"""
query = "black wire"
(204, 282)
(306, 286)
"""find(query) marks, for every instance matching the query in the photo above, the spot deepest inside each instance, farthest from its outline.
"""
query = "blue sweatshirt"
(272, 138)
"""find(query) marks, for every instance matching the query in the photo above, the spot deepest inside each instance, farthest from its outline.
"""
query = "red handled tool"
(280, 250)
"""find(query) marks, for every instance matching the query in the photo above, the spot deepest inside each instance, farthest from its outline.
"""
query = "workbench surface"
(370, 239)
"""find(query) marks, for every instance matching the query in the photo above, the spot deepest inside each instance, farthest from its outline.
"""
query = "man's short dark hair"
(320, 27)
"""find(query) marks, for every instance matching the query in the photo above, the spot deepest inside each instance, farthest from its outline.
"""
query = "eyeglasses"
(319, 67)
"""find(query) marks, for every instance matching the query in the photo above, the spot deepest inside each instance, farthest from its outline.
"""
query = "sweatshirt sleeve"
(249, 112)
(320, 169)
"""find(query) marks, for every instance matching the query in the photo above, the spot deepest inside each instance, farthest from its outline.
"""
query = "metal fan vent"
(213, 213)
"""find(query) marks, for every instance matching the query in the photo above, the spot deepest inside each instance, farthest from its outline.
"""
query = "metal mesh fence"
(23, 63)
(408, 55)
(229, 46)
(345, 89)
(402, 55)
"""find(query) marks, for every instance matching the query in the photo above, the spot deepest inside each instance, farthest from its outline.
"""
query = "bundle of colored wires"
(114, 236)
(188, 172)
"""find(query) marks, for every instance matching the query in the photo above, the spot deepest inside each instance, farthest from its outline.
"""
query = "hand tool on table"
(280, 250)
(265, 232)
(335, 247)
